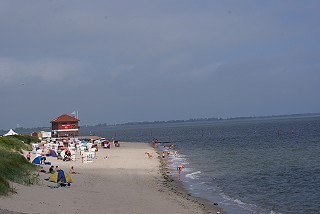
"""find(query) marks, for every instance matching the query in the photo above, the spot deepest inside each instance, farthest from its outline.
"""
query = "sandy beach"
(127, 181)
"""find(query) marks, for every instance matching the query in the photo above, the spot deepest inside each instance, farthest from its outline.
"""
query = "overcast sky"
(134, 60)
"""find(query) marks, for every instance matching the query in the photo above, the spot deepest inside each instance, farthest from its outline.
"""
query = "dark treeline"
(37, 129)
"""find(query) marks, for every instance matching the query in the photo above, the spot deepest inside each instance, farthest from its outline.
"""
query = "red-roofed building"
(65, 126)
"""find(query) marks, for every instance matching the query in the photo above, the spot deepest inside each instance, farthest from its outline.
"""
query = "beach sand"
(126, 182)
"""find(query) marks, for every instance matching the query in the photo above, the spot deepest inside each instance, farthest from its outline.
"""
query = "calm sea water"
(246, 166)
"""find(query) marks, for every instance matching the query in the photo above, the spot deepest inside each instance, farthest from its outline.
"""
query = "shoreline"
(126, 182)
(178, 188)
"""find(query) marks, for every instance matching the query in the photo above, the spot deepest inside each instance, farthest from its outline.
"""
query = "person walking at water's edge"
(179, 168)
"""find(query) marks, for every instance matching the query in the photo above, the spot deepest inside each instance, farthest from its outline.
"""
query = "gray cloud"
(156, 60)
(45, 69)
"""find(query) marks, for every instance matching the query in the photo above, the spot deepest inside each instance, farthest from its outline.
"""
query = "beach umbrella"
(61, 176)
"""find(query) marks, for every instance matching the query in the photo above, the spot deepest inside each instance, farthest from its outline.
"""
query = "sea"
(264, 165)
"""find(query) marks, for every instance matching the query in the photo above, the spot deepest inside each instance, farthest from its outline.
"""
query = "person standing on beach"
(179, 168)
(163, 155)
(83, 156)
(28, 156)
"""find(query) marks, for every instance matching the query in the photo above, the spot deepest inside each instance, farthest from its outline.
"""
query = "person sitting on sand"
(59, 183)
(43, 159)
(51, 170)
(71, 171)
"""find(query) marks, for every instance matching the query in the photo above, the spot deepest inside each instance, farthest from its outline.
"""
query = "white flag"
(74, 112)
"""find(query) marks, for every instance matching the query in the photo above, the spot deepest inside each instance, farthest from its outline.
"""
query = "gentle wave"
(194, 175)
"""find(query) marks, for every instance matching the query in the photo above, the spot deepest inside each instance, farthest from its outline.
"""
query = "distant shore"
(119, 180)
(170, 122)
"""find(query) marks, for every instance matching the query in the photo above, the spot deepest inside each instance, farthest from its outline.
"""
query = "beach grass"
(13, 165)
(13, 144)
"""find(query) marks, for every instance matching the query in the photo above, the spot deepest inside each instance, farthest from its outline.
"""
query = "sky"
(148, 60)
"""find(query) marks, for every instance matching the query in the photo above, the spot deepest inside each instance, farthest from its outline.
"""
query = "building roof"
(64, 118)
